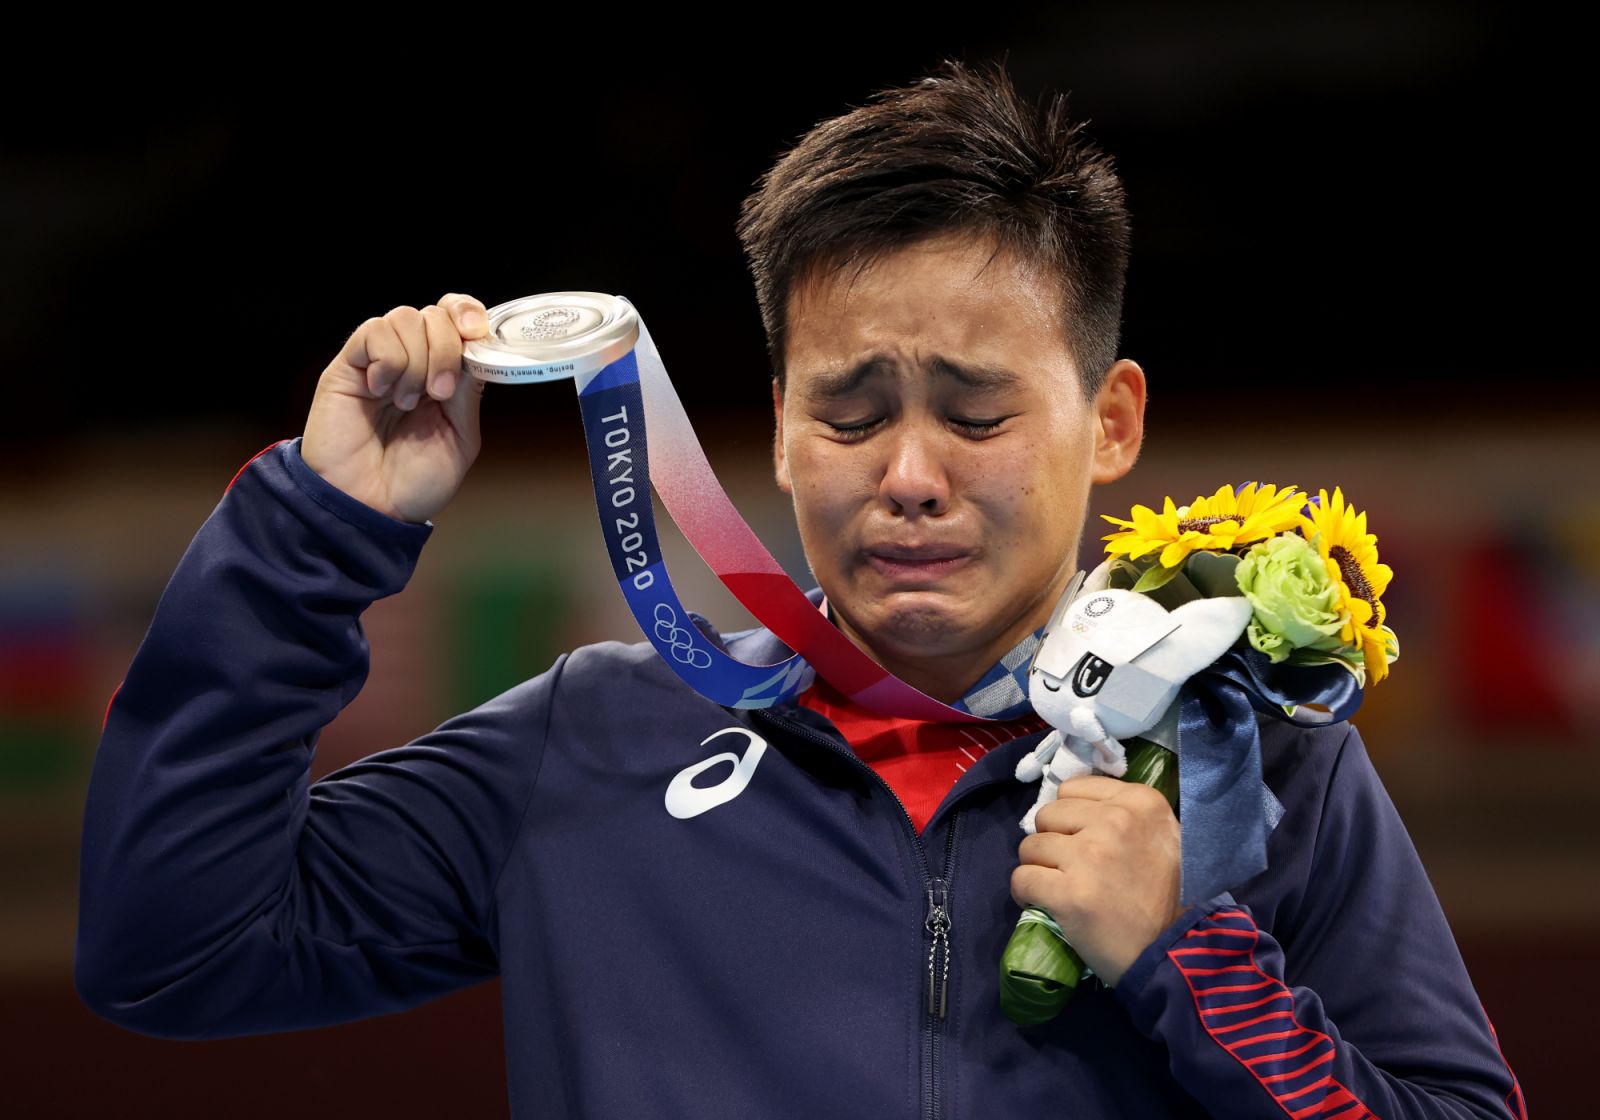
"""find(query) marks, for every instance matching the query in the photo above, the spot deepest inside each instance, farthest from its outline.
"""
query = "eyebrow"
(975, 376)
(829, 386)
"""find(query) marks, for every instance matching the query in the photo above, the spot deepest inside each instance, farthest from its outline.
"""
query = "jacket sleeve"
(1365, 1011)
(220, 892)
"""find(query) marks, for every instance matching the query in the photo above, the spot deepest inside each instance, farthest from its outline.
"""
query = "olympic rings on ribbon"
(680, 639)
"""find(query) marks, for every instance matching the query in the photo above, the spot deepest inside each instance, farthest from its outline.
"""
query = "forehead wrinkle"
(841, 383)
(975, 376)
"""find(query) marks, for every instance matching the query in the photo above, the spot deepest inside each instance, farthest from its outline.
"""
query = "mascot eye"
(1048, 682)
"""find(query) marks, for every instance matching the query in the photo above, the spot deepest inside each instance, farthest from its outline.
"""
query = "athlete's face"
(939, 450)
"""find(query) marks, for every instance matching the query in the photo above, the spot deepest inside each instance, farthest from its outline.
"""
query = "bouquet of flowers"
(1308, 566)
(1303, 630)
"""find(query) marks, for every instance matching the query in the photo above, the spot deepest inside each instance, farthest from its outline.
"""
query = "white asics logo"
(685, 799)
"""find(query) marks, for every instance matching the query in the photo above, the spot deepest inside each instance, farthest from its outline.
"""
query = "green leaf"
(1122, 575)
(1212, 573)
(1158, 576)
(1347, 657)
(1175, 592)
(1038, 972)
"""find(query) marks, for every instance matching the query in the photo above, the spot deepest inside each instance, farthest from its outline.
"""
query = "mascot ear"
(1056, 616)
(1208, 628)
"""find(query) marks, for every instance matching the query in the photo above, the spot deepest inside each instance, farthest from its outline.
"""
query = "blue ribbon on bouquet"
(1224, 812)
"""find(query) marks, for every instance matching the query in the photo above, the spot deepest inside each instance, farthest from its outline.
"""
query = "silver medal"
(552, 337)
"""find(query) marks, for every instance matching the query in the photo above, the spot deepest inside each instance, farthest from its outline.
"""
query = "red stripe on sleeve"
(252, 459)
(1273, 1036)
(1253, 1022)
(1204, 952)
(1320, 1098)
(1284, 1054)
(1217, 971)
(1337, 1100)
(1515, 1104)
(1356, 1110)
(1239, 987)
(1303, 1070)
(1242, 1006)
(107, 718)
(1220, 932)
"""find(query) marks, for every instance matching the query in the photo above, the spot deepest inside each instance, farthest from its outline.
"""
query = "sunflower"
(1221, 522)
(1340, 536)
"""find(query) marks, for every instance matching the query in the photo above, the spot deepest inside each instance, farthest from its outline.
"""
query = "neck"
(947, 679)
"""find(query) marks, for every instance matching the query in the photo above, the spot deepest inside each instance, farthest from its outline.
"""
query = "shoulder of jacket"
(1297, 766)
(1303, 743)
(1283, 735)
(1297, 762)
(609, 659)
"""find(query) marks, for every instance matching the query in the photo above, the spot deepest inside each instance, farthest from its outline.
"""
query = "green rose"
(1296, 602)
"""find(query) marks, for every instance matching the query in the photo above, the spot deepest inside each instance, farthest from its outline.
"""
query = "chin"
(920, 628)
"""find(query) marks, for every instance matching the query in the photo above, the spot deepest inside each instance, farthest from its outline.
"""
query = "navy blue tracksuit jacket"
(678, 937)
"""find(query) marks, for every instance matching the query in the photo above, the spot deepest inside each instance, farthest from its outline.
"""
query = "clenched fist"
(1106, 862)
(394, 422)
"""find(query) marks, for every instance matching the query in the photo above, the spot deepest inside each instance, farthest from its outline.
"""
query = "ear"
(1210, 626)
(780, 465)
(1119, 421)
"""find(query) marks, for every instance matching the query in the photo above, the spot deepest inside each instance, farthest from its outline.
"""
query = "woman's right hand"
(394, 422)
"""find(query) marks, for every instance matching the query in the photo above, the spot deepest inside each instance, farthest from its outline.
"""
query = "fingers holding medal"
(391, 424)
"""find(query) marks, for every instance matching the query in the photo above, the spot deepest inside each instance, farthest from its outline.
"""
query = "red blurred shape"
(1505, 653)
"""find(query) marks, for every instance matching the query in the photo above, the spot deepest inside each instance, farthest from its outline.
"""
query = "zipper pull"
(938, 923)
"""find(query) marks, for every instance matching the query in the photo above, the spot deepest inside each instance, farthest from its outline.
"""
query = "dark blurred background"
(1361, 243)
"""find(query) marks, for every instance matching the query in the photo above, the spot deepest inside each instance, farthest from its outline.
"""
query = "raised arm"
(220, 892)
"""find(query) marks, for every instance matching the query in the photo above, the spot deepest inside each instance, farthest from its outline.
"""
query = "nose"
(914, 478)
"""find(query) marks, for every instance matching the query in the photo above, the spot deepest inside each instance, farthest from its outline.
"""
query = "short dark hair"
(958, 151)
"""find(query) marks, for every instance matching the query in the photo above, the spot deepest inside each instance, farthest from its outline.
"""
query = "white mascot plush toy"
(1108, 667)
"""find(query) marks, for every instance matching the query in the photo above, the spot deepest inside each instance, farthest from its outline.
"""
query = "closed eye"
(969, 427)
(854, 431)
(979, 427)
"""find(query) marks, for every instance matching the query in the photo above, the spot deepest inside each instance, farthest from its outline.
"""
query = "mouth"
(912, 562)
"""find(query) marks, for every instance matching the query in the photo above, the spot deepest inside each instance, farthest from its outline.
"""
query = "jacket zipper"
(937, 890)
(938, 923)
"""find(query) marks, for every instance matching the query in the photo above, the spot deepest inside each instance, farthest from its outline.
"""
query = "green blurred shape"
(38, 754)
(505, 621)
